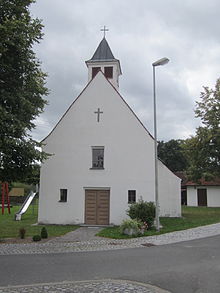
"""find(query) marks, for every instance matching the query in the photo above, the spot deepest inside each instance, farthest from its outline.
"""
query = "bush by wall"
(143, 211)
(130, 227)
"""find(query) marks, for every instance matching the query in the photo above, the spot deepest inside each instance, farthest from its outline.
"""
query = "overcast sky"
(140, 32)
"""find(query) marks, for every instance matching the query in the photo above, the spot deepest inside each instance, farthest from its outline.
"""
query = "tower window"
(108, 71)
(95, 70)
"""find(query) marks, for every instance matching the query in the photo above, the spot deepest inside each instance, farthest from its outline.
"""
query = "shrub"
(44, 233)
(130, 227)
(22, 233)
(36, 238)
(142, 211)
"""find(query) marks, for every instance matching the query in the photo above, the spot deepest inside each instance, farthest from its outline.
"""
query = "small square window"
(131, 196)
(97, 157)
(95, 70)
(63, 195)
(108, 71)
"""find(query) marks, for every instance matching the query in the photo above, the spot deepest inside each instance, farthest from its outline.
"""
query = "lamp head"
(161, 61)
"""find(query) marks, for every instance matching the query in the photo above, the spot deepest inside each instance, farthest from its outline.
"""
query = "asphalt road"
(186, 267)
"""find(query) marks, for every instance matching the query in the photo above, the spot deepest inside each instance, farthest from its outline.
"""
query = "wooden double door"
(97, 207)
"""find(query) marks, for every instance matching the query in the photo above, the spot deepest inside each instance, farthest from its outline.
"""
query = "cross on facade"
(104, 30)
(98, 112)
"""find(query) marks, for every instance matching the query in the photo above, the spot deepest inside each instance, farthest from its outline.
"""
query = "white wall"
(192, 196)
(169, 192)
(128, 159)
(213, 195)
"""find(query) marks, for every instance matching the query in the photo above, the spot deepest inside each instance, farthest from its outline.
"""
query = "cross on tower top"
(104, 30)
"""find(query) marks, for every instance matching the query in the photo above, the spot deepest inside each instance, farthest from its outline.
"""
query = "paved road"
(192, 267)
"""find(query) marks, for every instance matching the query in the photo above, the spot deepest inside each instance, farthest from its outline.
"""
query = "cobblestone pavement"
(68, 243)
(100, 286)
(80, 234)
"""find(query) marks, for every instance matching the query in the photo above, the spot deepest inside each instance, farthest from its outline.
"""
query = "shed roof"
(203, 182)
(200, 182)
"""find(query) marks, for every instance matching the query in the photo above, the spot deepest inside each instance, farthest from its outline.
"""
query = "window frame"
(132, 197)
(63, 195)
(95, 70)
(108, 71)
(99, 163)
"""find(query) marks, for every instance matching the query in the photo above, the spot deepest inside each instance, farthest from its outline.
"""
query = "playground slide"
(25, 205)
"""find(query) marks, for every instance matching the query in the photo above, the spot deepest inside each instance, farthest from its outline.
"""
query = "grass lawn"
(9, 228)
(191, 217)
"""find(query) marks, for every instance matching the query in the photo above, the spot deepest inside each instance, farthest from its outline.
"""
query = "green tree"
(22, 90)
(172, 155)
(203, 150)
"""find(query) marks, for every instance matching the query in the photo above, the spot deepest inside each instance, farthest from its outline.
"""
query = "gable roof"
(92, 80)
(203, 182)
(103, 52)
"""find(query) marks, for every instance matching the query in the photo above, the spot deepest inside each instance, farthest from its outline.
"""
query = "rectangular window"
(97, 157)
(95, 70)
(63, 195)
(131, 196)
(108, 72)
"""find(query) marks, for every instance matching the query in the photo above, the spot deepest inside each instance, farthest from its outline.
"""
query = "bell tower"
(104, 60)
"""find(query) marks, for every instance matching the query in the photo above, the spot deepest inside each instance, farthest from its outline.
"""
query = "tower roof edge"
(103, 52)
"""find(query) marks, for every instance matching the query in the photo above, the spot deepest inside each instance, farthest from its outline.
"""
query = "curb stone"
(88, 286)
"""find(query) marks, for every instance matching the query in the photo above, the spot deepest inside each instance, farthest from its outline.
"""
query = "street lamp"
(159, 62)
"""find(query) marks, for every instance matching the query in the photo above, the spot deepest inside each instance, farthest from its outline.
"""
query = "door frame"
(202, 192)
(98, 189)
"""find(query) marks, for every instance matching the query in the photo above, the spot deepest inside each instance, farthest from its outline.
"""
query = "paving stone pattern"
(71, 241)
(80, 234)
(108, 286)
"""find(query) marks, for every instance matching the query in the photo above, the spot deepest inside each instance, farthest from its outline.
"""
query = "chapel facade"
(102, 156)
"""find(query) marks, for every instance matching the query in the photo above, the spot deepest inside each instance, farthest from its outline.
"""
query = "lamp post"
(159, 62)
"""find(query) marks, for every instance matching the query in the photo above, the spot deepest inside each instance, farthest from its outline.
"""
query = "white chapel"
(102, 156)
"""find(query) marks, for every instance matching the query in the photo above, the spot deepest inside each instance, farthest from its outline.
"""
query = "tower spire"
(103, 60)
